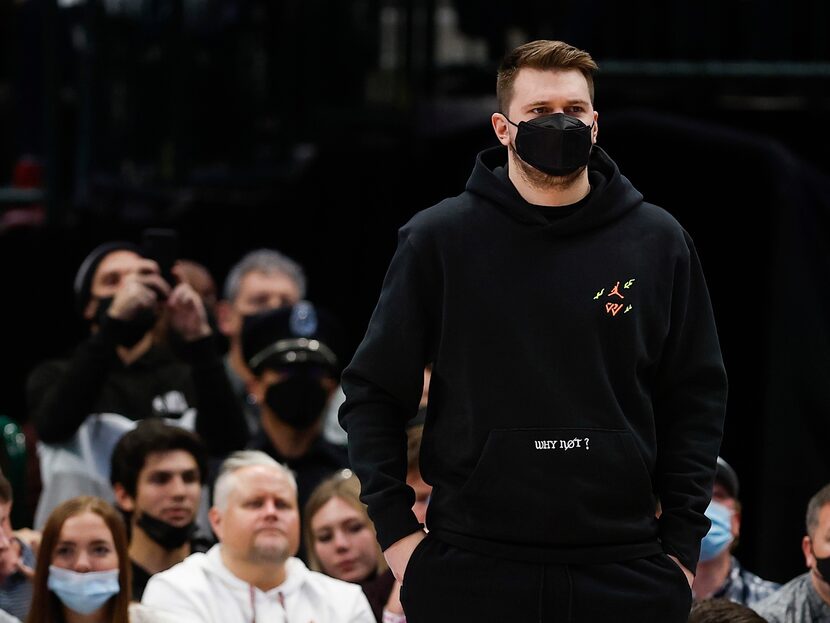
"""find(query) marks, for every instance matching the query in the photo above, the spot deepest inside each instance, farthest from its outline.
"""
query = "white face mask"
(83, 593)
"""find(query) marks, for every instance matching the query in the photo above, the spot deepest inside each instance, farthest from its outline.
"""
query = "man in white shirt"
(251, 574)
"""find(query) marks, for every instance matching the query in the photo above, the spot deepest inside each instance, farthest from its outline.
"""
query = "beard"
(541, 180)
(270, 552)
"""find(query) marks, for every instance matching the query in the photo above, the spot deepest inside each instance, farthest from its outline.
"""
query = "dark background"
(318, 128)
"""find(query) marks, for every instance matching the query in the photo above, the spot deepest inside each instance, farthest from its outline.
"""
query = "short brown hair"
(814, 506)
(542, 54)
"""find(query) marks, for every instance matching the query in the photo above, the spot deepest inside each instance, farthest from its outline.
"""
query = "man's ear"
(735, 523)
(501, 127)
(809, 558)
(123, 500)
(215, 518)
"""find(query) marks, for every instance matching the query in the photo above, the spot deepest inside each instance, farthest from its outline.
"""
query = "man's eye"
(190, 476)
(260, 302)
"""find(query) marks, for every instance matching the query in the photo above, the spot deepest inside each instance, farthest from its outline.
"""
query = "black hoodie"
(577, 376)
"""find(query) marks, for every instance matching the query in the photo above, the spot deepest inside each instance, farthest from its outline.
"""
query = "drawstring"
(541, 592)
(280, 597)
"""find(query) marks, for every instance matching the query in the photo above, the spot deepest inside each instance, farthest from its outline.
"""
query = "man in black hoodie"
(577, 379)
(122, 373)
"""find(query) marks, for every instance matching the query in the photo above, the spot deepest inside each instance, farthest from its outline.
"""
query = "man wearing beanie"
(121, 373)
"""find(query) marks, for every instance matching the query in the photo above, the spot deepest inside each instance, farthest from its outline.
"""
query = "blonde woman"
(341, 543)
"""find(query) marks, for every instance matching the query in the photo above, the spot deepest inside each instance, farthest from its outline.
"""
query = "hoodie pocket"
(560, 487)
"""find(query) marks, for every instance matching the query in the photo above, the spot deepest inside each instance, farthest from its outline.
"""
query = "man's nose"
(5, 538)
(271, 508)
(178, 487)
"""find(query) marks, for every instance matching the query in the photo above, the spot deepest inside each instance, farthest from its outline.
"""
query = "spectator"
(157, 475)
(720, 610)
(263, 279)
(806, 598)
(342, 542)
(80, 406)
(17, 560)
(198, 277)
(83, 572)
(251, 574)
(719, 573)
(292, 355)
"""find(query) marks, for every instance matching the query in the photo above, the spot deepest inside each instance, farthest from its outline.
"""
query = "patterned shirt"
(744, 587)
(795, 602)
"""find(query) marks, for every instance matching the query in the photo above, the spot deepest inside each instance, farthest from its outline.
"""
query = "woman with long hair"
(342, 543)
(83, 568)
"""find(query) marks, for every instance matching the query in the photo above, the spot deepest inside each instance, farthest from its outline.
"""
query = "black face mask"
(131, 331)
(170, 537)
(104, 304)
(298, 400)
(822, 566)
(556, 144)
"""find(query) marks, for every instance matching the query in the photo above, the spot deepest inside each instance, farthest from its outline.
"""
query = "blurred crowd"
(190, 466)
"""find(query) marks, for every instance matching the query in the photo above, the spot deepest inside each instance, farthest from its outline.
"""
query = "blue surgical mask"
(720, 532)
(83, 592)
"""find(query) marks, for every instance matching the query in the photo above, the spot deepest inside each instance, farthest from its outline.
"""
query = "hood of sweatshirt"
(612, 195)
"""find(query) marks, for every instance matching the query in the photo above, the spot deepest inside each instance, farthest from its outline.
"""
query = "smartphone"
(162, 245)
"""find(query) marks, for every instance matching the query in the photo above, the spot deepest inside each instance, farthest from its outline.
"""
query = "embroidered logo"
(581, 443)
(617, 293)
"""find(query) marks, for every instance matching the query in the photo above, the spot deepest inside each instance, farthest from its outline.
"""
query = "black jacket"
(62, 393)
(577, 376)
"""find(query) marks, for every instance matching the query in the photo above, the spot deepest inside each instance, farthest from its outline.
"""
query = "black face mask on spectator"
(822, 566)
(131, 331)
(556, 144)
(299, 399)
(170, 537)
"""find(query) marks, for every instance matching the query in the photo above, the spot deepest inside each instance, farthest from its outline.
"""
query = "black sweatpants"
(443, 583)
